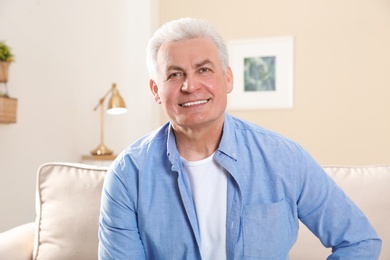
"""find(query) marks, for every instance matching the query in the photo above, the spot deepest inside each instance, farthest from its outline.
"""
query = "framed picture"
(263, 73)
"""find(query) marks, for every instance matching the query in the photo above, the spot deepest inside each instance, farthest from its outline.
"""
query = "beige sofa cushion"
(68, 194)
(368, 187)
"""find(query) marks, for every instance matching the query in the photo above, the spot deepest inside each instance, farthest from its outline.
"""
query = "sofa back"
(68, 203)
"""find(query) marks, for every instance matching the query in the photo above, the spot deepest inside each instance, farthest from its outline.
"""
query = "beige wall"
(341, 112)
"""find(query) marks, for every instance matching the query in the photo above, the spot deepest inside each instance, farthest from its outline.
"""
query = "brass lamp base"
(102, 150)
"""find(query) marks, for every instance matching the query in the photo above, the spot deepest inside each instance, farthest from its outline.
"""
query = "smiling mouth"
(199, 102)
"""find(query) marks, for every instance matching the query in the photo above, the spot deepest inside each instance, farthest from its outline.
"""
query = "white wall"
(68, 53)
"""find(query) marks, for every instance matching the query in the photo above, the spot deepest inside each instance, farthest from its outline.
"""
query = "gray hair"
(184, 29)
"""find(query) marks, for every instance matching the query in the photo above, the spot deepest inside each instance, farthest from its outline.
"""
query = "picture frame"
(263, 73)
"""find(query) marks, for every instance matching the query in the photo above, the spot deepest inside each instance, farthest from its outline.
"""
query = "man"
(207, 185)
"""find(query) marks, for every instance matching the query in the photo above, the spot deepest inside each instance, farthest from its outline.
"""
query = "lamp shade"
(116, 104)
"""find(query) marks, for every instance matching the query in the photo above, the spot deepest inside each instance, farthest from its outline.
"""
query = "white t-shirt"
(208, 182)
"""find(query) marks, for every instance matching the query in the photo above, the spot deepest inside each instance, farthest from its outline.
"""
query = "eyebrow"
(202, 63)
(173, 67)
(197, 65)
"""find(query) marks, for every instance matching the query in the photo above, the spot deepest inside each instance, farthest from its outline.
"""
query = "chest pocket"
(266, 229)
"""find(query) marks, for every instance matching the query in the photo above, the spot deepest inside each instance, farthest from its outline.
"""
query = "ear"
(229, 79)
(154, 88)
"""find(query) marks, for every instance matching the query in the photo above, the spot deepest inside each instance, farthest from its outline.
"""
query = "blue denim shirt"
(147, 210)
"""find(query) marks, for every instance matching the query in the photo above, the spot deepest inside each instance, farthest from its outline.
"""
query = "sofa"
(68, 201)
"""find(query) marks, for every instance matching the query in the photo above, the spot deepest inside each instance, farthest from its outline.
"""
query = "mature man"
(207, 185)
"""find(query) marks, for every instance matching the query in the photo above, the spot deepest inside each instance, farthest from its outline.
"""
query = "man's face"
(191, 84)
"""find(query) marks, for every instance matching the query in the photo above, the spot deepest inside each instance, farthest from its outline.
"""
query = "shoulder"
(246, 130)
(253, 141)
(156, 137)
(141, 155)
(154, 141)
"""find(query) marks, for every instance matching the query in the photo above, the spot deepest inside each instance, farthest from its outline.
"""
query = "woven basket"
(8, 108)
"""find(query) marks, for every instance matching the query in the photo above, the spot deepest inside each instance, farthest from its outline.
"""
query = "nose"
(190, 84)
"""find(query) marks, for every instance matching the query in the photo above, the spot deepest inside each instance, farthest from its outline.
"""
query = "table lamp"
(115, 106)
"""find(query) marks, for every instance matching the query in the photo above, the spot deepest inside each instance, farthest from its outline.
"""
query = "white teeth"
(194, 103)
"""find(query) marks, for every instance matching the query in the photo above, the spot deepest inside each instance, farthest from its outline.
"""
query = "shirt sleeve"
(333, 217)
(118, 229)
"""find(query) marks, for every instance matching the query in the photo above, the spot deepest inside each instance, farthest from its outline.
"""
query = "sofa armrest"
(17, 243)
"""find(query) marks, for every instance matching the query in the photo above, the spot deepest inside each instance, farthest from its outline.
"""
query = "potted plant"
(6, 57)
(7, 105)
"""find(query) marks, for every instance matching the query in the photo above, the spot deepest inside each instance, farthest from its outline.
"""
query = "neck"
(197, 143)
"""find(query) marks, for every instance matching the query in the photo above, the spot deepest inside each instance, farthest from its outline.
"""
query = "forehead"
(186, 52)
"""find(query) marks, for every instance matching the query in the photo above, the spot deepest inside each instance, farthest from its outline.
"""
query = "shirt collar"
(228, 141)
(172, 152)
(227, 144)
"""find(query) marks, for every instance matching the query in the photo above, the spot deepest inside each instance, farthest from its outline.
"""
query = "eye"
(204, 70)
(175, 75)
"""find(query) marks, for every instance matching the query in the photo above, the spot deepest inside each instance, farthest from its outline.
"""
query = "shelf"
(99, 157)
